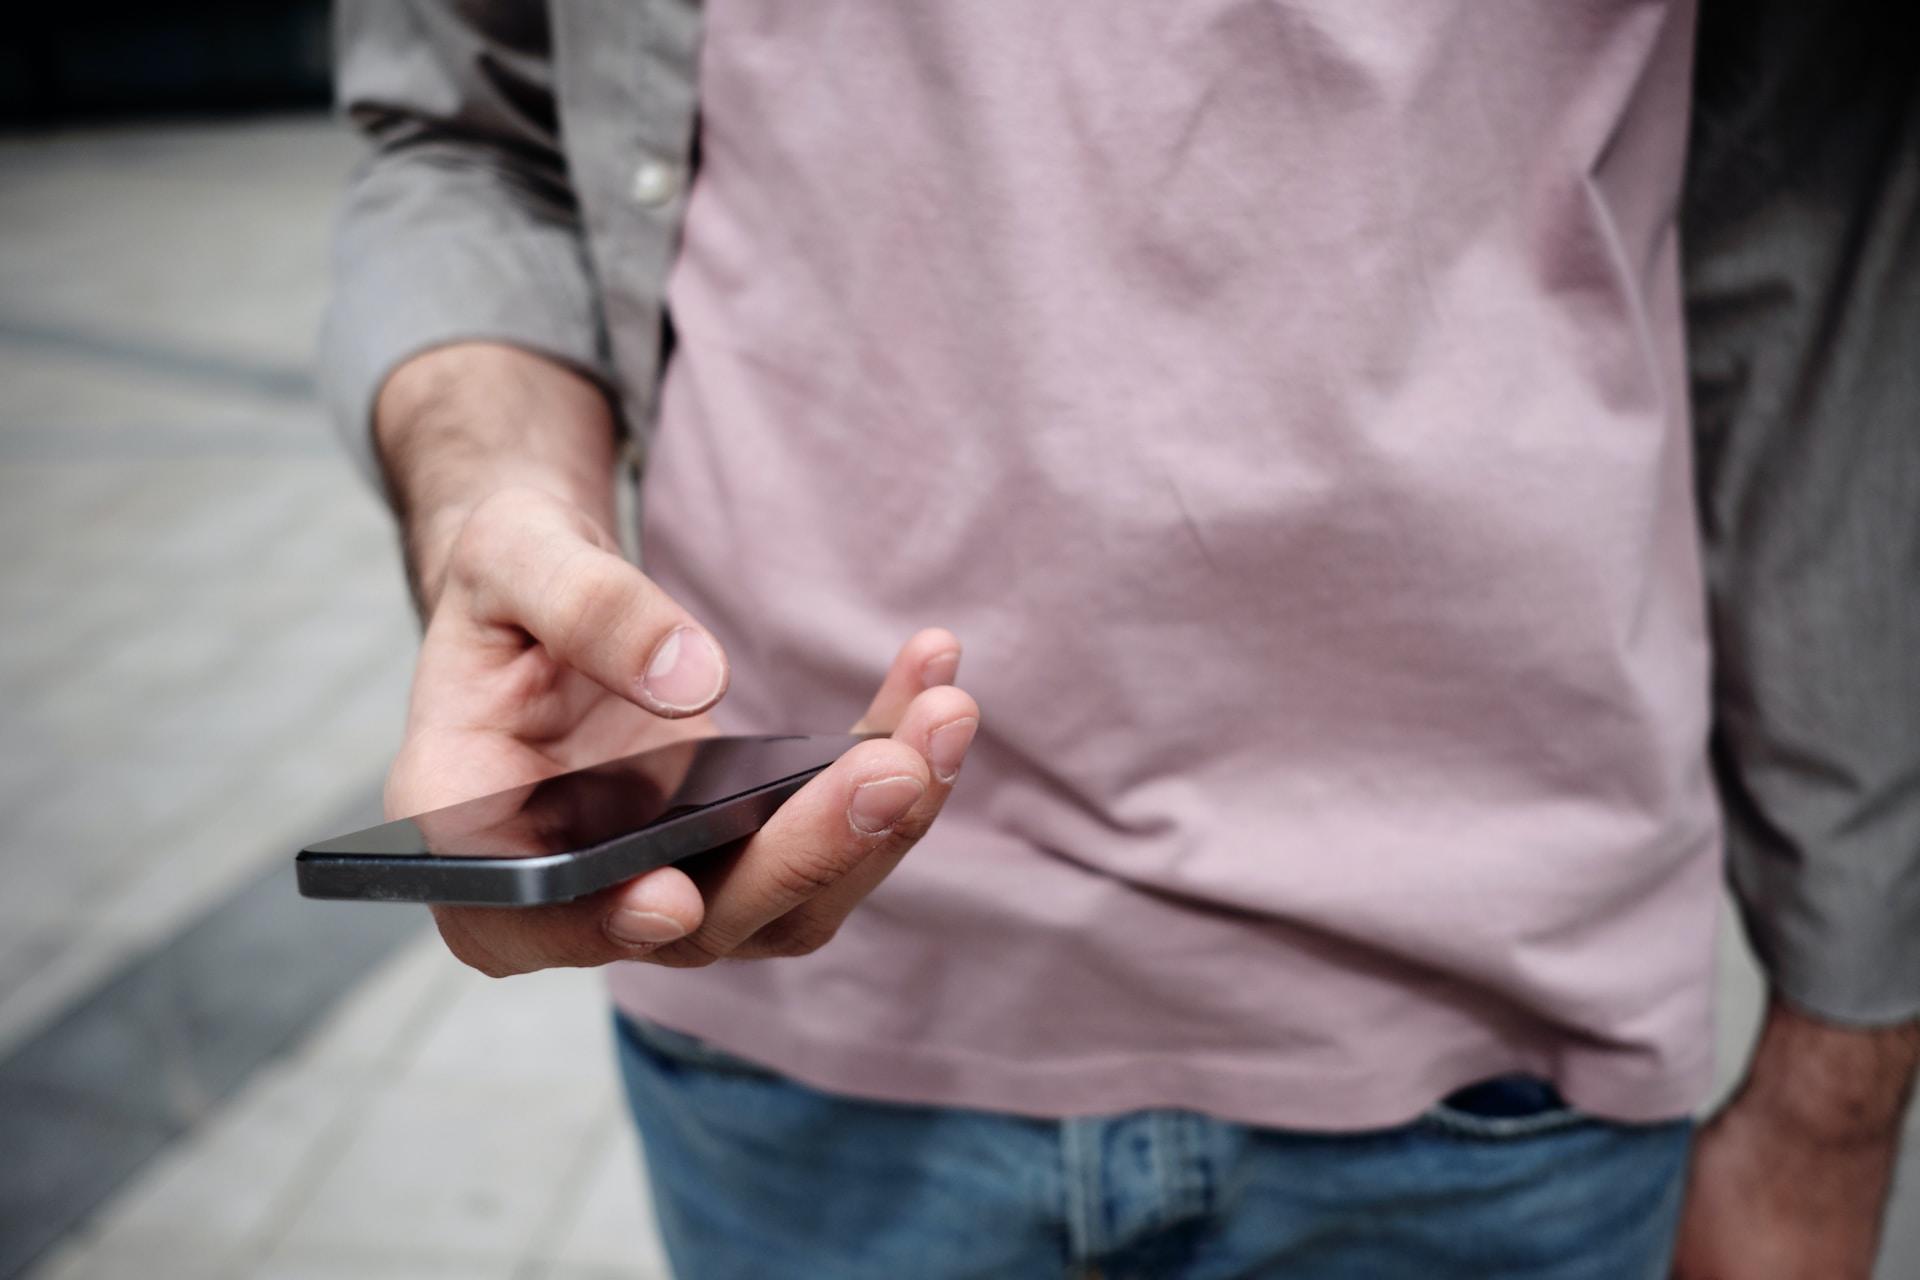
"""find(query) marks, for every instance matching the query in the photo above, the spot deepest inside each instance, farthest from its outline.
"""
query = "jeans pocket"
(1504, 1107)
(678, 1050)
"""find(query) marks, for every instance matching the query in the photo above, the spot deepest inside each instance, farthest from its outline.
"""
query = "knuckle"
(802, 873)
(582, 598)
(487, 533)
(799, 935)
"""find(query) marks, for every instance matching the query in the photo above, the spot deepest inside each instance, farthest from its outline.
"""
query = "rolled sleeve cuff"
(527, 287)
(1854, 962)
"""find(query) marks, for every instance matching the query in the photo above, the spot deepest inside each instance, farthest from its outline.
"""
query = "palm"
(484, 721)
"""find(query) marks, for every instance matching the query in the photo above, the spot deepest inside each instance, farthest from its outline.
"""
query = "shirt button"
(655, 182)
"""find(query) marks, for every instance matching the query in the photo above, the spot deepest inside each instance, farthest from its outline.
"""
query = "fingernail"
(948, 747)
(878, 805)
(635, 927)
(686, 673)
(940, 669)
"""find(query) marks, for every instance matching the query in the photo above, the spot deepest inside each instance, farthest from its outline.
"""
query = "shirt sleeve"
(459, 224)
(1802, 246)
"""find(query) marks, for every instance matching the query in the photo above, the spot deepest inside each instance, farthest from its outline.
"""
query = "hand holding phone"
(575, 833)
(547, 651)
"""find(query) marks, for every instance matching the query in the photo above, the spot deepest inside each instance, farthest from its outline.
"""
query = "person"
(1287, 405)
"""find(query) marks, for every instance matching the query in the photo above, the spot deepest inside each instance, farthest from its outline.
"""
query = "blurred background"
(204, 651)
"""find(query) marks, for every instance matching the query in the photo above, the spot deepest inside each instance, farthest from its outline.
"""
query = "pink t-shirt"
(1285, 404)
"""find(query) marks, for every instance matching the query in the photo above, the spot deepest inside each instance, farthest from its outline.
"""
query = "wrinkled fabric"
(1287, 407)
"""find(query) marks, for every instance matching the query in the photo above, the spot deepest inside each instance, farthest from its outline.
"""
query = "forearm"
(1829, 1085)
(1790, 1179)
(457, 423)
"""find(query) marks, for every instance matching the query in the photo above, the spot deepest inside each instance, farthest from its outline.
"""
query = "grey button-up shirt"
(1802, 246)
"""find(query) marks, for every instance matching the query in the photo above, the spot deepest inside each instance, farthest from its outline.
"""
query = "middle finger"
(862, 805)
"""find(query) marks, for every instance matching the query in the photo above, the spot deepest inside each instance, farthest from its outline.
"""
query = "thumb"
(526, 564)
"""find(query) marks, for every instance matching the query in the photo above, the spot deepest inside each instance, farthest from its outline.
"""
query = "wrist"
(1829, 1086)
(456, 424)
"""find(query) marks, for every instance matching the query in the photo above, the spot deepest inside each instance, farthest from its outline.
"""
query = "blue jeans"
(758, 1177)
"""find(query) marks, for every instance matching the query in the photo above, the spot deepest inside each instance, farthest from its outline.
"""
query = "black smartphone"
(574, 833)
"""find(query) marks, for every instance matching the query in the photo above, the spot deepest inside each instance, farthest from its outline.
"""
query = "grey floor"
(204, 660)
(203, 657)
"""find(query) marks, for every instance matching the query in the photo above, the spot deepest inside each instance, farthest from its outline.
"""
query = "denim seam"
(1197, 1166)
(1078, 1165)
(1163, 1146)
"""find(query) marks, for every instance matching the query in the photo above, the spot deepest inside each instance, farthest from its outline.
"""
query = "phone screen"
(588, 807)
